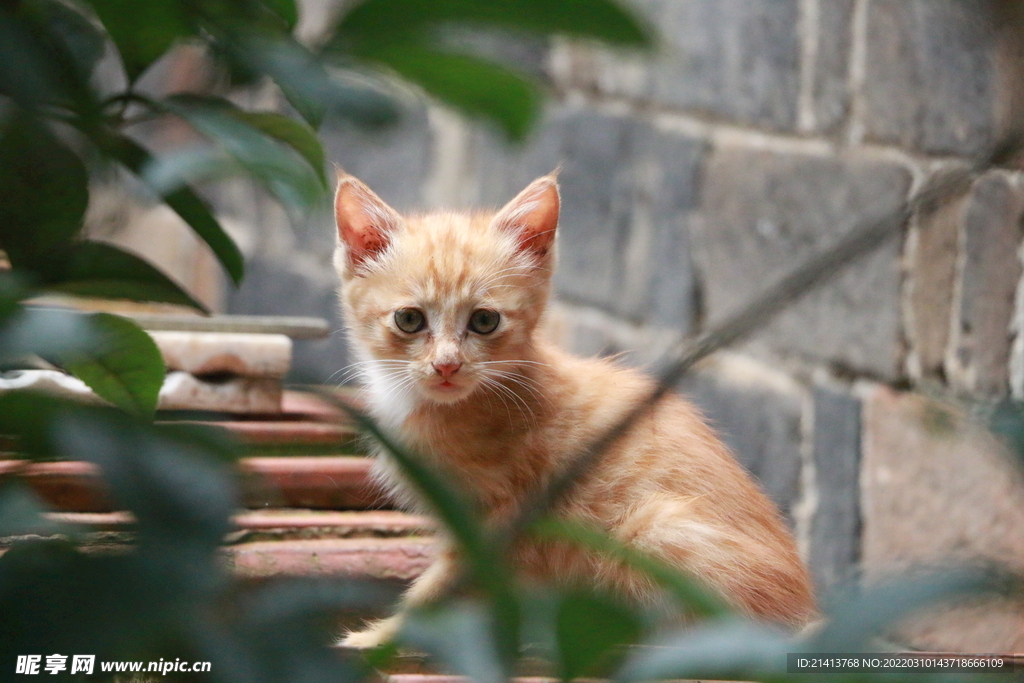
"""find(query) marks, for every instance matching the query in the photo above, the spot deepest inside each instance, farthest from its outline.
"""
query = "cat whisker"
(495, 376)
(487, 381)
(530, 385)
(513, 362)
(521, 406)
(354, 369)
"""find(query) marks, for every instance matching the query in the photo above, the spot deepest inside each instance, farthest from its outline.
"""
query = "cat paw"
(361, 640)
(376, 635)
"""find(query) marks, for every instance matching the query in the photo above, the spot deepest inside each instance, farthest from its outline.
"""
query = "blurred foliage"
(582, 633)
(1006, 419)
(69, 102)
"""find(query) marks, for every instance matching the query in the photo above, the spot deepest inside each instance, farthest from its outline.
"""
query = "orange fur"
(516, 407)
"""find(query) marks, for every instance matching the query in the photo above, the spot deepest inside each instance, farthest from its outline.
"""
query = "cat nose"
(446, 370)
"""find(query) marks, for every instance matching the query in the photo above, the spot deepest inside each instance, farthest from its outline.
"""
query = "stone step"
(279, 524)
(269, 544)
(299, 433)
(321, 482)
(305, 422)
(295, 327)
(399, 558)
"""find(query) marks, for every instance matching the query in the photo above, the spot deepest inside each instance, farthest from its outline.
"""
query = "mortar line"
(809, 30)
(855, 130)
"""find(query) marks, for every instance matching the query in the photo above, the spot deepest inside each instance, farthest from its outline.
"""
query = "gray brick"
(836, 524)
(830, 85)
(764, 213)
(394, 161)
(734, 58)
(599, 191)
(627, 192)
(938, 490)
(737, 59)
(930, 80)
(931, 285)
(667, 296)
(760, 423)
(991, 270)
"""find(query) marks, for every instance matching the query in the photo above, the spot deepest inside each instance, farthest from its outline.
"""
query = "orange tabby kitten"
(443, 311)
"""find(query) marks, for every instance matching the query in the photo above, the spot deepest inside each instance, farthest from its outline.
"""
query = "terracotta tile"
(73, 486)
(384, 558)
(310, 482)
(283, 522)
(322, 482)
(285, 432)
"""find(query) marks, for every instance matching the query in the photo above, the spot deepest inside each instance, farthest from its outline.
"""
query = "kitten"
(443, 310)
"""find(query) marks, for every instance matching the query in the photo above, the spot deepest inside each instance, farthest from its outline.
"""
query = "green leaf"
(12, 291)
(287, 626)
(285, 9)
(295, 134)
(124, 366)
(46, 332)
(298, 136)
(378, 21)
(29, 74)
(459, 634)
(291, 599)
(403, 35)
(1007, 421)
(858, 615)
(47, 52)
(29, 416)
(115, 358)
(142, 31)
(181, 491)
(194, 211)
(168, 590)
(43, 192)
(80, 39)
(186, 204)
(310, 88)
(103, 270)
(475, 86)
(21, 512)
(691, 596)
(171, 172)
(591, 631)
(284, 172)
(731, 650)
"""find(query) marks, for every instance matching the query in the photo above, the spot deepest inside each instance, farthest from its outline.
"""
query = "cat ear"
(533, 216)
(365, 222)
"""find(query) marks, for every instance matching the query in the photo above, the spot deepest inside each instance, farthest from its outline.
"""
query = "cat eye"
(484, 321)
(410, 320)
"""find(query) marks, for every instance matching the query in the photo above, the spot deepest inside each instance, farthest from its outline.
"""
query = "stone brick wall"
(762, 131)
